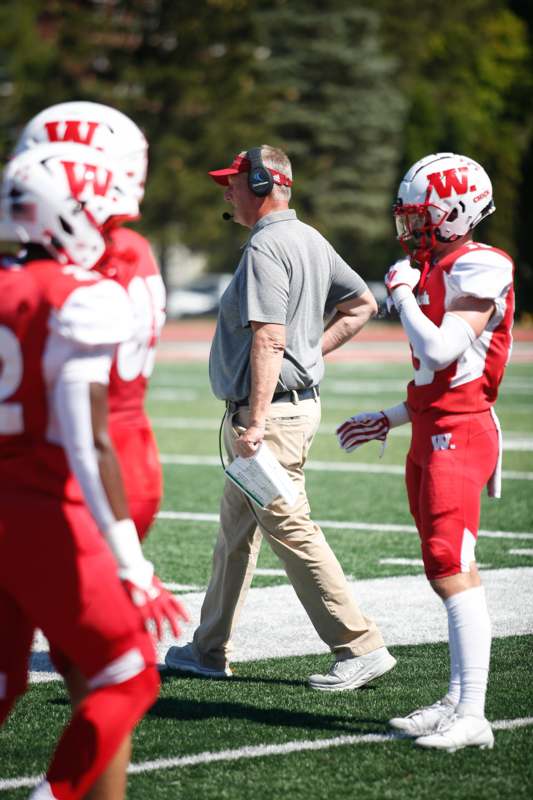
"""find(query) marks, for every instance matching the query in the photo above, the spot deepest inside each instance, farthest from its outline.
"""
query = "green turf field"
(264, 734)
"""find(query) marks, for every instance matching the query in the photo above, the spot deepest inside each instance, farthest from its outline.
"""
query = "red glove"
(157, 605)
(363, 428)
(137, 575)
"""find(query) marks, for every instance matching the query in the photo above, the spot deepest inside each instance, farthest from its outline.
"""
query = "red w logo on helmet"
(82, 176)
(71, 131)
(449, 180)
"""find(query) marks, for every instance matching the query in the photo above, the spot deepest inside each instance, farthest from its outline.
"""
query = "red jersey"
(469, 384)
(129, 261)
(49, 314)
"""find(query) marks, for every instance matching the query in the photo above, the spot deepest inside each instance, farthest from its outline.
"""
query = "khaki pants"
(309, 562)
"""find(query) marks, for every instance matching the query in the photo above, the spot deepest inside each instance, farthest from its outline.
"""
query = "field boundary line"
(378, 527)
(513, 440)
(260, 751)
(323, 466)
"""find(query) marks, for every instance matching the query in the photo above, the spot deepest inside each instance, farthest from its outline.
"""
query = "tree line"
(354, 92)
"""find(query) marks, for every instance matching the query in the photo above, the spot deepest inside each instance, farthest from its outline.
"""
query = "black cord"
(247, 499)
(224, 415)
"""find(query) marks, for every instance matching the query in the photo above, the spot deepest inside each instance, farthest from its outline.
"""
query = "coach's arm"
(350, 317)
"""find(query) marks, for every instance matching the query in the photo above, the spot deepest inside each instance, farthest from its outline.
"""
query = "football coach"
(266, 364)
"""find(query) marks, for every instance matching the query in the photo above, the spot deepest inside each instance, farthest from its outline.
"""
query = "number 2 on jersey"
(11, 368)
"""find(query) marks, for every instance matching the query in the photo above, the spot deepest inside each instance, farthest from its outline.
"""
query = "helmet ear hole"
(452, 215)
(66, 227)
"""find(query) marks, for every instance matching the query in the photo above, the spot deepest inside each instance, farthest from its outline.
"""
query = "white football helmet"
(95, 125)
(62, 196)
(440, 198)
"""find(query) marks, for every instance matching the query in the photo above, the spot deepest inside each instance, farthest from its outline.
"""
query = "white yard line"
(174, 394)
(415, 562)
(406, 609)
(512, 441)
(378, 527)
(259, 751)
(322, 466)
(526, 551)
(269, 571)
(182, 587)
(378, 385)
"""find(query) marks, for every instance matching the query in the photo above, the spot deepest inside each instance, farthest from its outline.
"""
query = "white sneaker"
(423, 720)
(183, 659)
(351, 673)
(458, 732)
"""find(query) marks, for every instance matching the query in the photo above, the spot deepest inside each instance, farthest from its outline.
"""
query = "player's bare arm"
(266, 355)
(475, 311)
(350, 317)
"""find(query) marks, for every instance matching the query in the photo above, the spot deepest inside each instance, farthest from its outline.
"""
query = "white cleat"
(352, 673)
(458, 732)
(423, 720)
(183, 659)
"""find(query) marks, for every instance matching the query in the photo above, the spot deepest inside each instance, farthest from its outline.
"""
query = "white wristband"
(123, 540)
(397, 415)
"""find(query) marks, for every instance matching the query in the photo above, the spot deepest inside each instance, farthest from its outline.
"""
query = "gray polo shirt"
(288, 274)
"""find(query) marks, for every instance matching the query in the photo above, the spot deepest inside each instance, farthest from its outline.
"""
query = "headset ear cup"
(260, 179)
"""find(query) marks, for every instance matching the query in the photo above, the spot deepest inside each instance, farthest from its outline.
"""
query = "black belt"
(279, 397)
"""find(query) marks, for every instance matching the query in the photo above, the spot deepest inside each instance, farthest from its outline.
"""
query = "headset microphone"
(226, 215)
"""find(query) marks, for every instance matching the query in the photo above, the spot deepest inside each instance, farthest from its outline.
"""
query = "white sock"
(42, 792)
(468, 618)
(453, 695)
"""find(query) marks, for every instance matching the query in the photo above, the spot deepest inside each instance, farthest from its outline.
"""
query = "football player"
(455, 299)
(129, 261)
(70, 558)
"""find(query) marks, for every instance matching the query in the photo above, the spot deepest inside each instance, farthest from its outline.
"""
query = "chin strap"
(425, 265)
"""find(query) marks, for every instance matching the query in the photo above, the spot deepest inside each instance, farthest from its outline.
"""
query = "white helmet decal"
(63, 196)
(441, 198)
(94, 125)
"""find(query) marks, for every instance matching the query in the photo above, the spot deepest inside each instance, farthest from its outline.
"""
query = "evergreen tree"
(465, 71)
(184, 72)
(339, 116)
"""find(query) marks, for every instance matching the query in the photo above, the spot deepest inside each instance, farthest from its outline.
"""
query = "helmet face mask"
(95, 125)
(440, 199)
(62, 196)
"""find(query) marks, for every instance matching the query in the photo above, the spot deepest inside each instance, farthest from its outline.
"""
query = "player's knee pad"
(106, 715)
(147, 687)
(130, 699)
(448, 550)
(130, 663)
(440, 557)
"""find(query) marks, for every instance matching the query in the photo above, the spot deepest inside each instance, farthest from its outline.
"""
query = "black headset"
(260, 180)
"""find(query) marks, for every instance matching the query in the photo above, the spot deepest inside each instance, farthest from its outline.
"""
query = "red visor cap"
(242, 164)
(239, 164)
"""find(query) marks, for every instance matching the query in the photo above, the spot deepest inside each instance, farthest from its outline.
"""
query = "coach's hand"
(248, 442)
